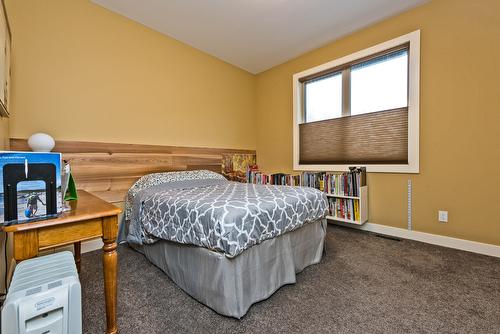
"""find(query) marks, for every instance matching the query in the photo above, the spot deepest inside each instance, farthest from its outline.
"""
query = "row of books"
(344, 208)
(257, 177)
(314, 180)
(347, 183)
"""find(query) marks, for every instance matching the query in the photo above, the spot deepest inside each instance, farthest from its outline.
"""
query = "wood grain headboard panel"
(109, 169)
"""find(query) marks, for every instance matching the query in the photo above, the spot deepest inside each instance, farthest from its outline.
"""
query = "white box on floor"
(44, 297)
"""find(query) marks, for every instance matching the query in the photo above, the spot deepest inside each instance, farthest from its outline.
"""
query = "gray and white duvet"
(204, 209)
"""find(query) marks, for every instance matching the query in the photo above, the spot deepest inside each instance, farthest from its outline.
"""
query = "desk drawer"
(57, 235)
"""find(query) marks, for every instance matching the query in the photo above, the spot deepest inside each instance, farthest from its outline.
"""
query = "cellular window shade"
(381, 59)
(373, 138)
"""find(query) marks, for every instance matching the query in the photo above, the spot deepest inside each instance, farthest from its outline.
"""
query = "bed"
(227, 244)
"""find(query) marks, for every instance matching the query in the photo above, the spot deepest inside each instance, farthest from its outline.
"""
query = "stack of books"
(346, 184)
(314, 180)
(344, 208)
(255, 176)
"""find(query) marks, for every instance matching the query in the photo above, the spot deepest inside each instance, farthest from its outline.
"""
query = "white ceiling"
(257, 34)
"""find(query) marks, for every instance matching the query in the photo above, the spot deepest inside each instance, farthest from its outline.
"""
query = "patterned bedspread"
(223, 216)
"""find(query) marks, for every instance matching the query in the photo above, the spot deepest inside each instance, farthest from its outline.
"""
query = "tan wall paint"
(460, 118)
(4, 133)
(81, 72)
(72, 59)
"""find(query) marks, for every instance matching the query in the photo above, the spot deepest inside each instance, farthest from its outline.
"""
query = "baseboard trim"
(91, 245)
(434, 239)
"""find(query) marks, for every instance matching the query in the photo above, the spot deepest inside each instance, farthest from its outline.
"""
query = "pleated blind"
(372, 138)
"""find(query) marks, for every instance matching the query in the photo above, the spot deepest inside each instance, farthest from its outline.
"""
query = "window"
(380, 84)
(361, 109)
(323, 98)
(376, 84)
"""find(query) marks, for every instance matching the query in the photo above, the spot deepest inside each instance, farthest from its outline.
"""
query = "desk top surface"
(86, 207)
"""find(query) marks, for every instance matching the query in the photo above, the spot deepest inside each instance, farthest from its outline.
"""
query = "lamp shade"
(41, 142)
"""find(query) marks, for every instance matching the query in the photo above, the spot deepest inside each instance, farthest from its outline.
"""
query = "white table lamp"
(41, 142)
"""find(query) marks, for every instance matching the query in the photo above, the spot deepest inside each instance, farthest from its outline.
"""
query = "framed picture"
(234, 166)
(30, 186)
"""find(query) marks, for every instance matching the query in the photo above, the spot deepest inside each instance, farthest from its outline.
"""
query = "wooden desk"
(90, 217)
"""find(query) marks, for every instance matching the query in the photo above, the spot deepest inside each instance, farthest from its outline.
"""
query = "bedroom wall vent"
(44, 297)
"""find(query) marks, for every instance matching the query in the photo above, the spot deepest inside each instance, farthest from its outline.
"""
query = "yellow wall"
(460, 118)
(4, 133)
(81, 72)
(84, 73)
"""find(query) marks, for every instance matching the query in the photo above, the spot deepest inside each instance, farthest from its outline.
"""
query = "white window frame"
(413, 166)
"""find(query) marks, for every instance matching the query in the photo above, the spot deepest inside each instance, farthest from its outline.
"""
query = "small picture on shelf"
(31, 200)
(234, 166)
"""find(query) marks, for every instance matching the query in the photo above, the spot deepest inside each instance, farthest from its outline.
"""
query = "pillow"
(154, 179)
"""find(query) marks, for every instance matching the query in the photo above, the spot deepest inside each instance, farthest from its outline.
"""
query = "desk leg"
(110, 259)
(78, 254)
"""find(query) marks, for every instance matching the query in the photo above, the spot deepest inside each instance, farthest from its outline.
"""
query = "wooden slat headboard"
(109, 169)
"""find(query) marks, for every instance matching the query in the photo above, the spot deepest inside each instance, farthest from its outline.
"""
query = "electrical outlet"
(443, 216)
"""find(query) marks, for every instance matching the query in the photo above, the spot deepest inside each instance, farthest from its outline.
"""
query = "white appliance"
(44, 297)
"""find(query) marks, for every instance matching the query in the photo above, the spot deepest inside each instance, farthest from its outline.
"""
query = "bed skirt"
(231, 286)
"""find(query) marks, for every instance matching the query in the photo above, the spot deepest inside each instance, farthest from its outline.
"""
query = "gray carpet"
(364, 284)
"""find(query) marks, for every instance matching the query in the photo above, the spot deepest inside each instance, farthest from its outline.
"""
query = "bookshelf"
(347, 192)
